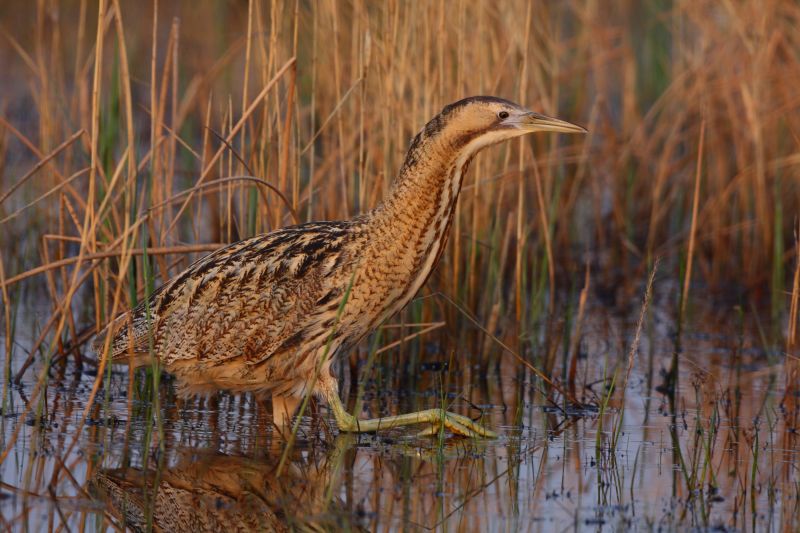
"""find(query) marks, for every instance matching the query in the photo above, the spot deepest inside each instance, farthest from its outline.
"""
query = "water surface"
(721, 455)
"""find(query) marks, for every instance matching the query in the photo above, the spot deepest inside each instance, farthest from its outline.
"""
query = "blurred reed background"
(208, 122)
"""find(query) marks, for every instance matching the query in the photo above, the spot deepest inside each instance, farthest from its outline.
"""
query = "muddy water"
(721, 455)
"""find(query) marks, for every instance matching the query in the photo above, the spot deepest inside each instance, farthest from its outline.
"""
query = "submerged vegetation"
(623, 307)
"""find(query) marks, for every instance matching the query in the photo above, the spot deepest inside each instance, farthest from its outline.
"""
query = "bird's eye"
(503, 114)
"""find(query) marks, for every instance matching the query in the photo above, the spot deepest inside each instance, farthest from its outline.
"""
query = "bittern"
(270, 314)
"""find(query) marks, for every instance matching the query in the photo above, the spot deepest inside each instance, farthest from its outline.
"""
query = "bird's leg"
(437, 418)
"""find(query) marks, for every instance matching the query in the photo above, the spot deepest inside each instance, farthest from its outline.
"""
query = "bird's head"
(463, 128)
(479, 121)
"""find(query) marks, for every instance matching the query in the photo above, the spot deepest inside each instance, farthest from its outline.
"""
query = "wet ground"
(722, 456)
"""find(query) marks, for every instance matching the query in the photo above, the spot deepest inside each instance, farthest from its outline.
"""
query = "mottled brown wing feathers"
(246, 300)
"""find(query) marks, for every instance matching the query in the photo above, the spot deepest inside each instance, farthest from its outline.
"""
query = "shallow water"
(723, 456)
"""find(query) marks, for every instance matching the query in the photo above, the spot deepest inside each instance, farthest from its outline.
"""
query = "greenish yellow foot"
(458, 424)
(436, 418)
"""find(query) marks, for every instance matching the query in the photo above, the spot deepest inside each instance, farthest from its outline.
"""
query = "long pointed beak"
(531, 122)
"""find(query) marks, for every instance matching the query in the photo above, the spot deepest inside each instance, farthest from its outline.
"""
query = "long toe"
(475, 429)
(458, 425)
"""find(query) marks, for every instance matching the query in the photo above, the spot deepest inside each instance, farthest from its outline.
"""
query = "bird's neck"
(422, 199)
(408, 231)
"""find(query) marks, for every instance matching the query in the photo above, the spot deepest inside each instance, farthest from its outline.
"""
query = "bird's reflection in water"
(215, 492)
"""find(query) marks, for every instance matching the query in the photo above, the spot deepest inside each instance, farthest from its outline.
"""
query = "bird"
(270, 314)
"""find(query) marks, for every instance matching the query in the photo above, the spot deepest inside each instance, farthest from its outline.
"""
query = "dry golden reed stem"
(521, 215)
(576, 334)
(9, 338)
(634, 348)
(693, 229)
(791, 361)
(283, 167)
(545, 231)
